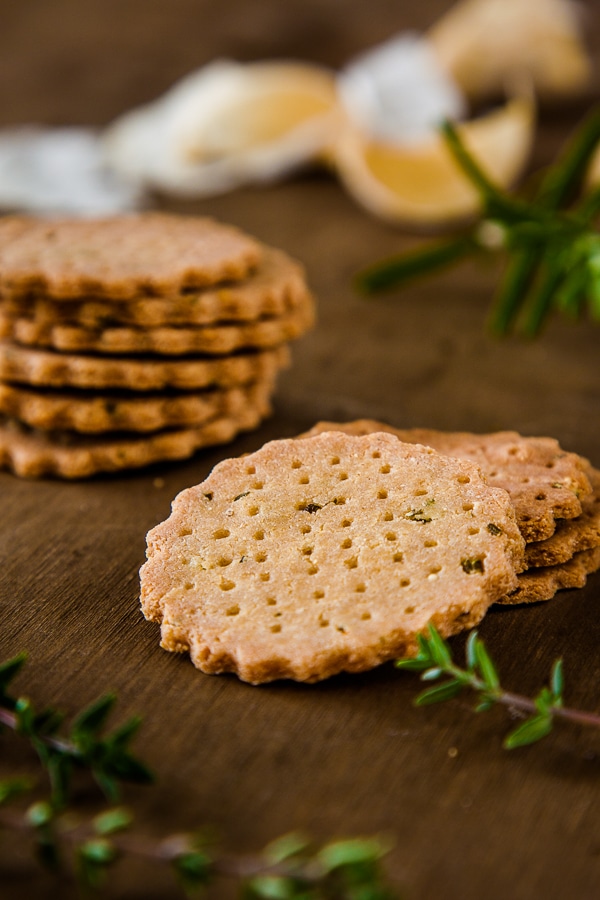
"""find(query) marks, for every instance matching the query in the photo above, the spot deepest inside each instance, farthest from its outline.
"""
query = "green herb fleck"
(472, 564)
(239, 496)
(494, 529)
(417, 515)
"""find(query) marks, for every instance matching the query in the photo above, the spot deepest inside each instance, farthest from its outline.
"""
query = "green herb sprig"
(434, 660)
(290, 868)
(552, 247)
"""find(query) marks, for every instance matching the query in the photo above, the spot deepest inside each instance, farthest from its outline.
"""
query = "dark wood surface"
(349, 756)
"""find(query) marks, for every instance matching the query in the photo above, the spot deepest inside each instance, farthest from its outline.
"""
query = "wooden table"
(350, 756)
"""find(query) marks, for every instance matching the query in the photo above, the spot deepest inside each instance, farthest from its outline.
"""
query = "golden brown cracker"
(120, 257)
(26, 365)
(277, 286)
(90, 412)
(164, 340)
(328, 554)
(542, 583)
(545, 482)
(35, 454)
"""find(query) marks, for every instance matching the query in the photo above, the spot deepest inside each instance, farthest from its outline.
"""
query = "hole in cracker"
(550, 465)
(334, 461)
(365, 616)
(260, 557)
(318, 595)
(467, 507)
(339, 501)
(405, 582)
(346, 523)
(258, 486)
(382, 494)
(259, 535)
(376, 454)
(473, 531)
(265, 576)
(275, 629)
(183, 532)
(227, 585)
(233, 611)
(253, 511)
(304, 479)
(343, 476)
(512, 451)
(391, 536)
(525, 480)
(323, 623)
(434, 570)
(540, 496)
(313, 569)
(296, 464)
(345, 545)
(385, 469)
(409, 610)
(420, 492)
(220, 533)
(224, 561)
(360, 588)
(188, 586)
(463, 479)
(351, 563)
(250, 470)
(306, 551)
(398, 557)
(306, 529)
(271, 601)
(430, 544)
(388, 517)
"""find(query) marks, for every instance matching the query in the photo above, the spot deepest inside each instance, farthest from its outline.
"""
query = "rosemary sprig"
(434, 659)
(553, 249)
(290, 868)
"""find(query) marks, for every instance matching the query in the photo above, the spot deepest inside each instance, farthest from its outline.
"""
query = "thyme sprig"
(434, 660)
(290, 868)
(552, 247)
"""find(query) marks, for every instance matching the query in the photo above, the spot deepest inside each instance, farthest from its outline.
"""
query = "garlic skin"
(481, 43)
(226, 125)
(398, 91)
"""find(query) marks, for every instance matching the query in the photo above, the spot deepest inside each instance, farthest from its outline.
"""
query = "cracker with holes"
(327, 554)
(544, 481)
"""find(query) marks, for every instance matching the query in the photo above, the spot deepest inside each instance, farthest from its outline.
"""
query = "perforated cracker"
(120, 257)
(276, 286)
(34, 454)
(571, 535)
(165, 340)
(92, 413)
(328, 554)
(26, 365)
(536, 585)
(545, 482)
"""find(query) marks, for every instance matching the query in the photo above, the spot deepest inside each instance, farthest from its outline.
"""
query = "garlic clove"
(226, 125)
(421, 184)
(481, 42)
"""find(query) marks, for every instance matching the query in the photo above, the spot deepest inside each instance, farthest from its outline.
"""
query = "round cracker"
(120, 257)
(544, 481)
(328, 554)
(26, 365)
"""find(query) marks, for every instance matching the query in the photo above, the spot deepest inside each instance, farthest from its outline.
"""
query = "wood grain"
(352, 755)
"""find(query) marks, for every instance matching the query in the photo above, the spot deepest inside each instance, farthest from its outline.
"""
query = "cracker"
(120, 257)
(167, 340)
(571, 535)
(540, 584)
(34, 454)
(93, 413)
(329, 554)
(276, 286)
(545, 483)
(26, 365)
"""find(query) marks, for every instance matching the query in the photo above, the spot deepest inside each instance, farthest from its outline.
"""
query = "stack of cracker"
(136, 339)
(331, 552)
